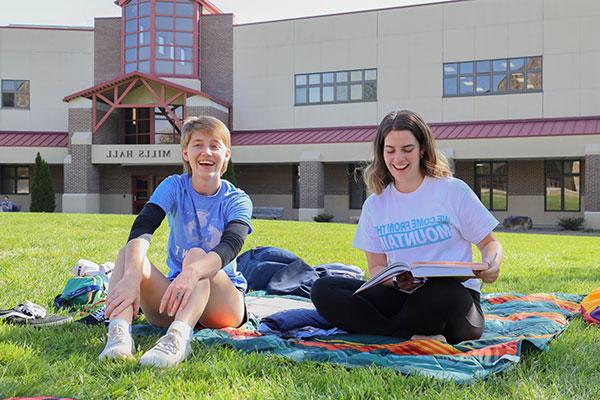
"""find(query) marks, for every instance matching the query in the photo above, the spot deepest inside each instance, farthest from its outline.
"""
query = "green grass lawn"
(37, 252)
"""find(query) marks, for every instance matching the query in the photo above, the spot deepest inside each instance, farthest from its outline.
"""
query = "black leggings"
(441, 306)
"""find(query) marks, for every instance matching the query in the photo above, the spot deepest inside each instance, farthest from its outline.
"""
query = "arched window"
(161, 37)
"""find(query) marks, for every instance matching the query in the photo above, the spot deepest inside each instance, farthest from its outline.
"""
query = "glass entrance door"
(141, 192)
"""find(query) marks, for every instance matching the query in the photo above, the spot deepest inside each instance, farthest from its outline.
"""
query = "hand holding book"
(406, 283)
(408, 278)
(491, 273)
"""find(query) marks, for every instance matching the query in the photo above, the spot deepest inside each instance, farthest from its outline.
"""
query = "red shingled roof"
(441, 131)
(103, 86)
(352, 134)
(33, 139)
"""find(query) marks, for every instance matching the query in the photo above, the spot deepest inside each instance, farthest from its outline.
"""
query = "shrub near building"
(42, 191)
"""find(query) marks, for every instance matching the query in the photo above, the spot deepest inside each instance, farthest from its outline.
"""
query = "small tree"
(230, 173)
(42, 190)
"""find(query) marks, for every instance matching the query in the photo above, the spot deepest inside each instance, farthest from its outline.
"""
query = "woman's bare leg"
(214, 301)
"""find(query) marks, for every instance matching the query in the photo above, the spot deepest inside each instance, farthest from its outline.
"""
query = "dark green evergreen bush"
(42, 190)
(323, 217)
(570, 223)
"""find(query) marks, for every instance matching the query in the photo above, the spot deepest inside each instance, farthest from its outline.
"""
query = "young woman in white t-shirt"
(417, 212)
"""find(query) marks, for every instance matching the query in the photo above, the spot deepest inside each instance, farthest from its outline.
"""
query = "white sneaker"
(119, 344)
(168, 351)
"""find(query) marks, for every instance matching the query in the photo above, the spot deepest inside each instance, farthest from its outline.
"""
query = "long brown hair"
(433, 163)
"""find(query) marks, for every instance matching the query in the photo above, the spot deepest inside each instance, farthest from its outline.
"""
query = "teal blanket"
(513, 324)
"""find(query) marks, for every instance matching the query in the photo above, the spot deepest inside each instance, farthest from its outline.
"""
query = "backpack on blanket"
(83, 293)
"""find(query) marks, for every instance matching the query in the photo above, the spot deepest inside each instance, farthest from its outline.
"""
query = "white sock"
(119, 322)
(183, 328)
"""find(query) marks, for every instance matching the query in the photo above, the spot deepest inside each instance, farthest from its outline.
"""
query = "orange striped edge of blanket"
(563, 304)
(409, 347)
(495, 350)
(427, 347)
(241, 333)
(587, 316)
(556, 317)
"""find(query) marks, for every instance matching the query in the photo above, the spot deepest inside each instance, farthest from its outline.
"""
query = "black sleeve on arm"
(232, 241)
(148, 220)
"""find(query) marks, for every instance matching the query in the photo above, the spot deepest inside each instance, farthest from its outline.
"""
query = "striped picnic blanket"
(590, 307)
(513, 324)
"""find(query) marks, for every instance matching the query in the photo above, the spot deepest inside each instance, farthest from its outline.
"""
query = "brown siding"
(216, 55)
(107, 49)
(117, 179)
(336, 179)
(465, 171)
(526, 178)
(264, 179)
(56, 172)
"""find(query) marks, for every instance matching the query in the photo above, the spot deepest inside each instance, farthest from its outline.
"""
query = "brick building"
(511, 89)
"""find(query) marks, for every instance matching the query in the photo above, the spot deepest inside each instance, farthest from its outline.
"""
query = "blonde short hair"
(208, 125)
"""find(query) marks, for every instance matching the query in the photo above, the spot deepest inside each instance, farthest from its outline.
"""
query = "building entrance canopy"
(138, 90)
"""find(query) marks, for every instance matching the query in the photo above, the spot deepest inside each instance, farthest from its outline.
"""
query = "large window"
(491, 184)
(137, 36)
(160, 37)
(137, 126)
(488, 77)
(15, 179)
(357, 189)
(15, 94)
(336, 87)
(563, 185)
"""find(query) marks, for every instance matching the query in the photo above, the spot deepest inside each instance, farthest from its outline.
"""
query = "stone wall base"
(81, 203)
(307, 214)
(591, 220)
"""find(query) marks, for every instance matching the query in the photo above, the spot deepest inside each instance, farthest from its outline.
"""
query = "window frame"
(15, 92)
(153, 46)
(491, 177)
(137, 134)
(15, 179)
(348, 83)
(490, 74)
(562, 182)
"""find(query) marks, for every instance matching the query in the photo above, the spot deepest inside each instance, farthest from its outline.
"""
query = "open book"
(421, 270)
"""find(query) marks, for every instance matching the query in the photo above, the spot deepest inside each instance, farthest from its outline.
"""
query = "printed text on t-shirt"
(414, 233)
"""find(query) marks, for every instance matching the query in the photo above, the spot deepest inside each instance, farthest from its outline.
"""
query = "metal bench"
(267, 212)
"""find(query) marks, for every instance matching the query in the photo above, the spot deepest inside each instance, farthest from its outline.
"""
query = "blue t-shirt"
(198, 221)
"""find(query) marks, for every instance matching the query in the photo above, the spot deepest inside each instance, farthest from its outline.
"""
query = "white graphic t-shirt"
(437, 222)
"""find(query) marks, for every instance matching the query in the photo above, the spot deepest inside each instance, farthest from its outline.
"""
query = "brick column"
(312, 186)
(82, 180)
(591, 214)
